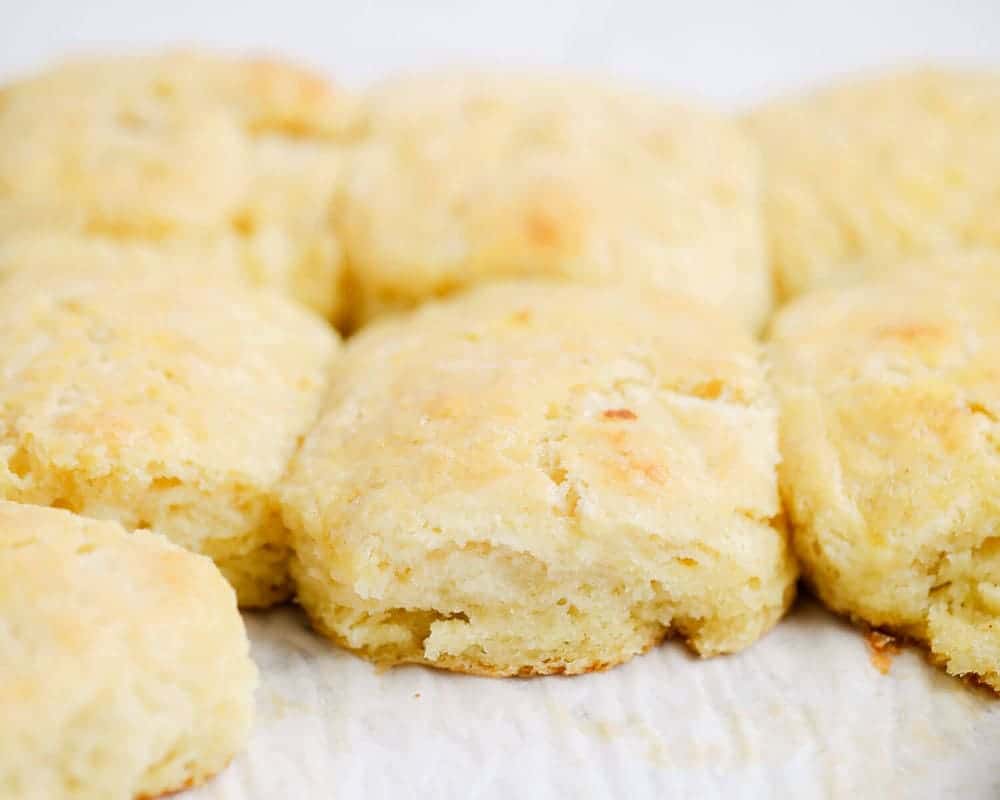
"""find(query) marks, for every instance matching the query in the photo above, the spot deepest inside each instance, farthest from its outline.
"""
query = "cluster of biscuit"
(573, 448)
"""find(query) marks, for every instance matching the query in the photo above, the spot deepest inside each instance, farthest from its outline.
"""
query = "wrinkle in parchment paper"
(802, 713)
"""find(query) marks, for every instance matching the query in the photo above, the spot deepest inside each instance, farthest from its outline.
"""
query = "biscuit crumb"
(882, 649)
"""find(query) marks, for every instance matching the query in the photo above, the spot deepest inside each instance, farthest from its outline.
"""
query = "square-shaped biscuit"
(538, 478)
(460, 178)
(873, 170)
(172, 407)
(212, 151)
(890, 398)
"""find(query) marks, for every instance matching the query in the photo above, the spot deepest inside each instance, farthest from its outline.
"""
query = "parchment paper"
(803, 713)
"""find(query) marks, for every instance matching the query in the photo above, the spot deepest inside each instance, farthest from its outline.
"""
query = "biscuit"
(890, 401)
(209, 150)
(535, 479)
(124, 665)
(964, 266)
(45, 252)
(462, 178)
(161, 406)
(874, 170)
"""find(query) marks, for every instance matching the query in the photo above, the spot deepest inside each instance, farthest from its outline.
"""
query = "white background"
(731, 52)
(803, 713)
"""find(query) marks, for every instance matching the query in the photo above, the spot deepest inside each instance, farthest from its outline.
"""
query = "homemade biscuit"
(168, 407)
(124, 666)
(533, 478)
(460, 178)
(214, 151)
(184, 261)
(890, 399)
(965, 266)
(873, 170)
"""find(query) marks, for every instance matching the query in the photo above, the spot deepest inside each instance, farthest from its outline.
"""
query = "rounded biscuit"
(163, 406)
(873, 170)
(124, 664)
(890, 400)
(213, 151)
(458, 178)
(534, 478)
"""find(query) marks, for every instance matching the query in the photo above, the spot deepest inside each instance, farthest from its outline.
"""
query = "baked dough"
(163, 406)
(217, 152)
(535, 478)
(463, 177)
(890, 405)
(42, 252)
(124, 665)
(873, 170)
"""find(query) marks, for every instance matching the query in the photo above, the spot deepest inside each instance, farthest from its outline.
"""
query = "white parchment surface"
(803, 713)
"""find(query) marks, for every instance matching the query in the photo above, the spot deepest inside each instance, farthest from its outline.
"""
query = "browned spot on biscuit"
(619, 413)
(188, 784)
(628, 462)
(883, 648)
(709, 390)
(286, 100)
(554, 667)
(542, 230)
(911, 332)
(445, 406)
(653, 472)
(273, 79)
(521, 316)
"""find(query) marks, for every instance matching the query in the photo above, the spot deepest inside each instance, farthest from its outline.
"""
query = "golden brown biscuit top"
(889, 401)
(77, 592)
(874, 169)
(144, 375)
(463, 176)
(533, 415)
(152, 145)
(49, 553)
